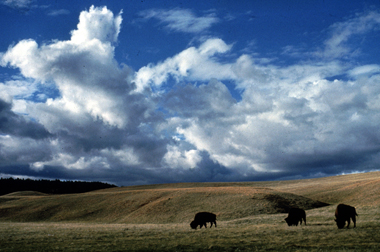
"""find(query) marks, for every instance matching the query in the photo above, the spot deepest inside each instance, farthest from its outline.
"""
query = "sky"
(145, 92)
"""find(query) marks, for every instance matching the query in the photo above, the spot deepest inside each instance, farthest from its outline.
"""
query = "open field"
(156, 218)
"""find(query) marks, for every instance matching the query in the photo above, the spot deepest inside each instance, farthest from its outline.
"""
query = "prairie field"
(250, 217)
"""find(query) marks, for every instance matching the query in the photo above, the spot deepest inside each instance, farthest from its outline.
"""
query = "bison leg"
(348, 222)
(354, 221)
(213, 222)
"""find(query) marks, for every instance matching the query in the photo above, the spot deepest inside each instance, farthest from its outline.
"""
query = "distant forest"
(9, 185)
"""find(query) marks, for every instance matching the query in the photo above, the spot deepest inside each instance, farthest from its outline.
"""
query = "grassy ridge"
(362, 189)
(175, 203)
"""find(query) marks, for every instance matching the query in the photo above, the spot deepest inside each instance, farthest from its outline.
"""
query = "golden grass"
(357, 189)
(266, 232)
(151, 206)
(156, 217)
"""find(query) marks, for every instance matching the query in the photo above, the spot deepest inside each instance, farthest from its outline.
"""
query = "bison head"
(291, 221)
(340, 223)
(193, 225)
(288, 221)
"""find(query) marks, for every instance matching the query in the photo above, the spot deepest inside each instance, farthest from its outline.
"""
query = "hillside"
(362, 189)
(177, 203)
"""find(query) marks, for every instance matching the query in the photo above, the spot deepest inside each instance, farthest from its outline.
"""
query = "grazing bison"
(296, 215)
(201, 219)
(344, 213)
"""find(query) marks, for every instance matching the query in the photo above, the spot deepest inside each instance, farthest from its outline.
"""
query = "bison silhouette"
(202, 218)
(295, 216)
(344, 213)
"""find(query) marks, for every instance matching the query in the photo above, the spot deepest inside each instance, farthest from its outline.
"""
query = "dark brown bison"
(344, 213)
(296, 215)
(201, 219)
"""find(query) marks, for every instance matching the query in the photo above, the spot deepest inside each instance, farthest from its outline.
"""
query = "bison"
(344, 213)
(201, 219)
(296, 215)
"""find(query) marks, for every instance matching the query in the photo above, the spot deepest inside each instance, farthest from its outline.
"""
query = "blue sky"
(142, 92)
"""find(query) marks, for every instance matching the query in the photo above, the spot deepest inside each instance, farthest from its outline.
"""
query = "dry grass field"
(250, 217)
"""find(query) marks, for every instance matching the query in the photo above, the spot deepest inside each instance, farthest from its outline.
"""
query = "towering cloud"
(78, 113)
(96, 121)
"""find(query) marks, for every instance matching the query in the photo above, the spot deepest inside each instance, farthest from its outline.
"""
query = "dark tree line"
(9, 185)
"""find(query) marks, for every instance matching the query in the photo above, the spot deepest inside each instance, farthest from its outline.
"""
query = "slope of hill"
(362, 189)
(151, 205)
(177, 203)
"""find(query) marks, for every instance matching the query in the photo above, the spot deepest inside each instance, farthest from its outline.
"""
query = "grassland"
(156, 217)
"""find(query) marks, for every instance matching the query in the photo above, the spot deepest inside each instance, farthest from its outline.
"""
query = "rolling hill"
(177, 203)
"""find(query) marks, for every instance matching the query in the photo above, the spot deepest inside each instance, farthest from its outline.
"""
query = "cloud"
(181, 20)
(12, 124)
(95, 121)
(338, 45)
(17, 88)
(292, 119)
(58, 12)
(77, 113)
(177, 158)
(99, 24)
(365, 70)
(79, 63)
(205, 101)
(17, 4)
(192, 63)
